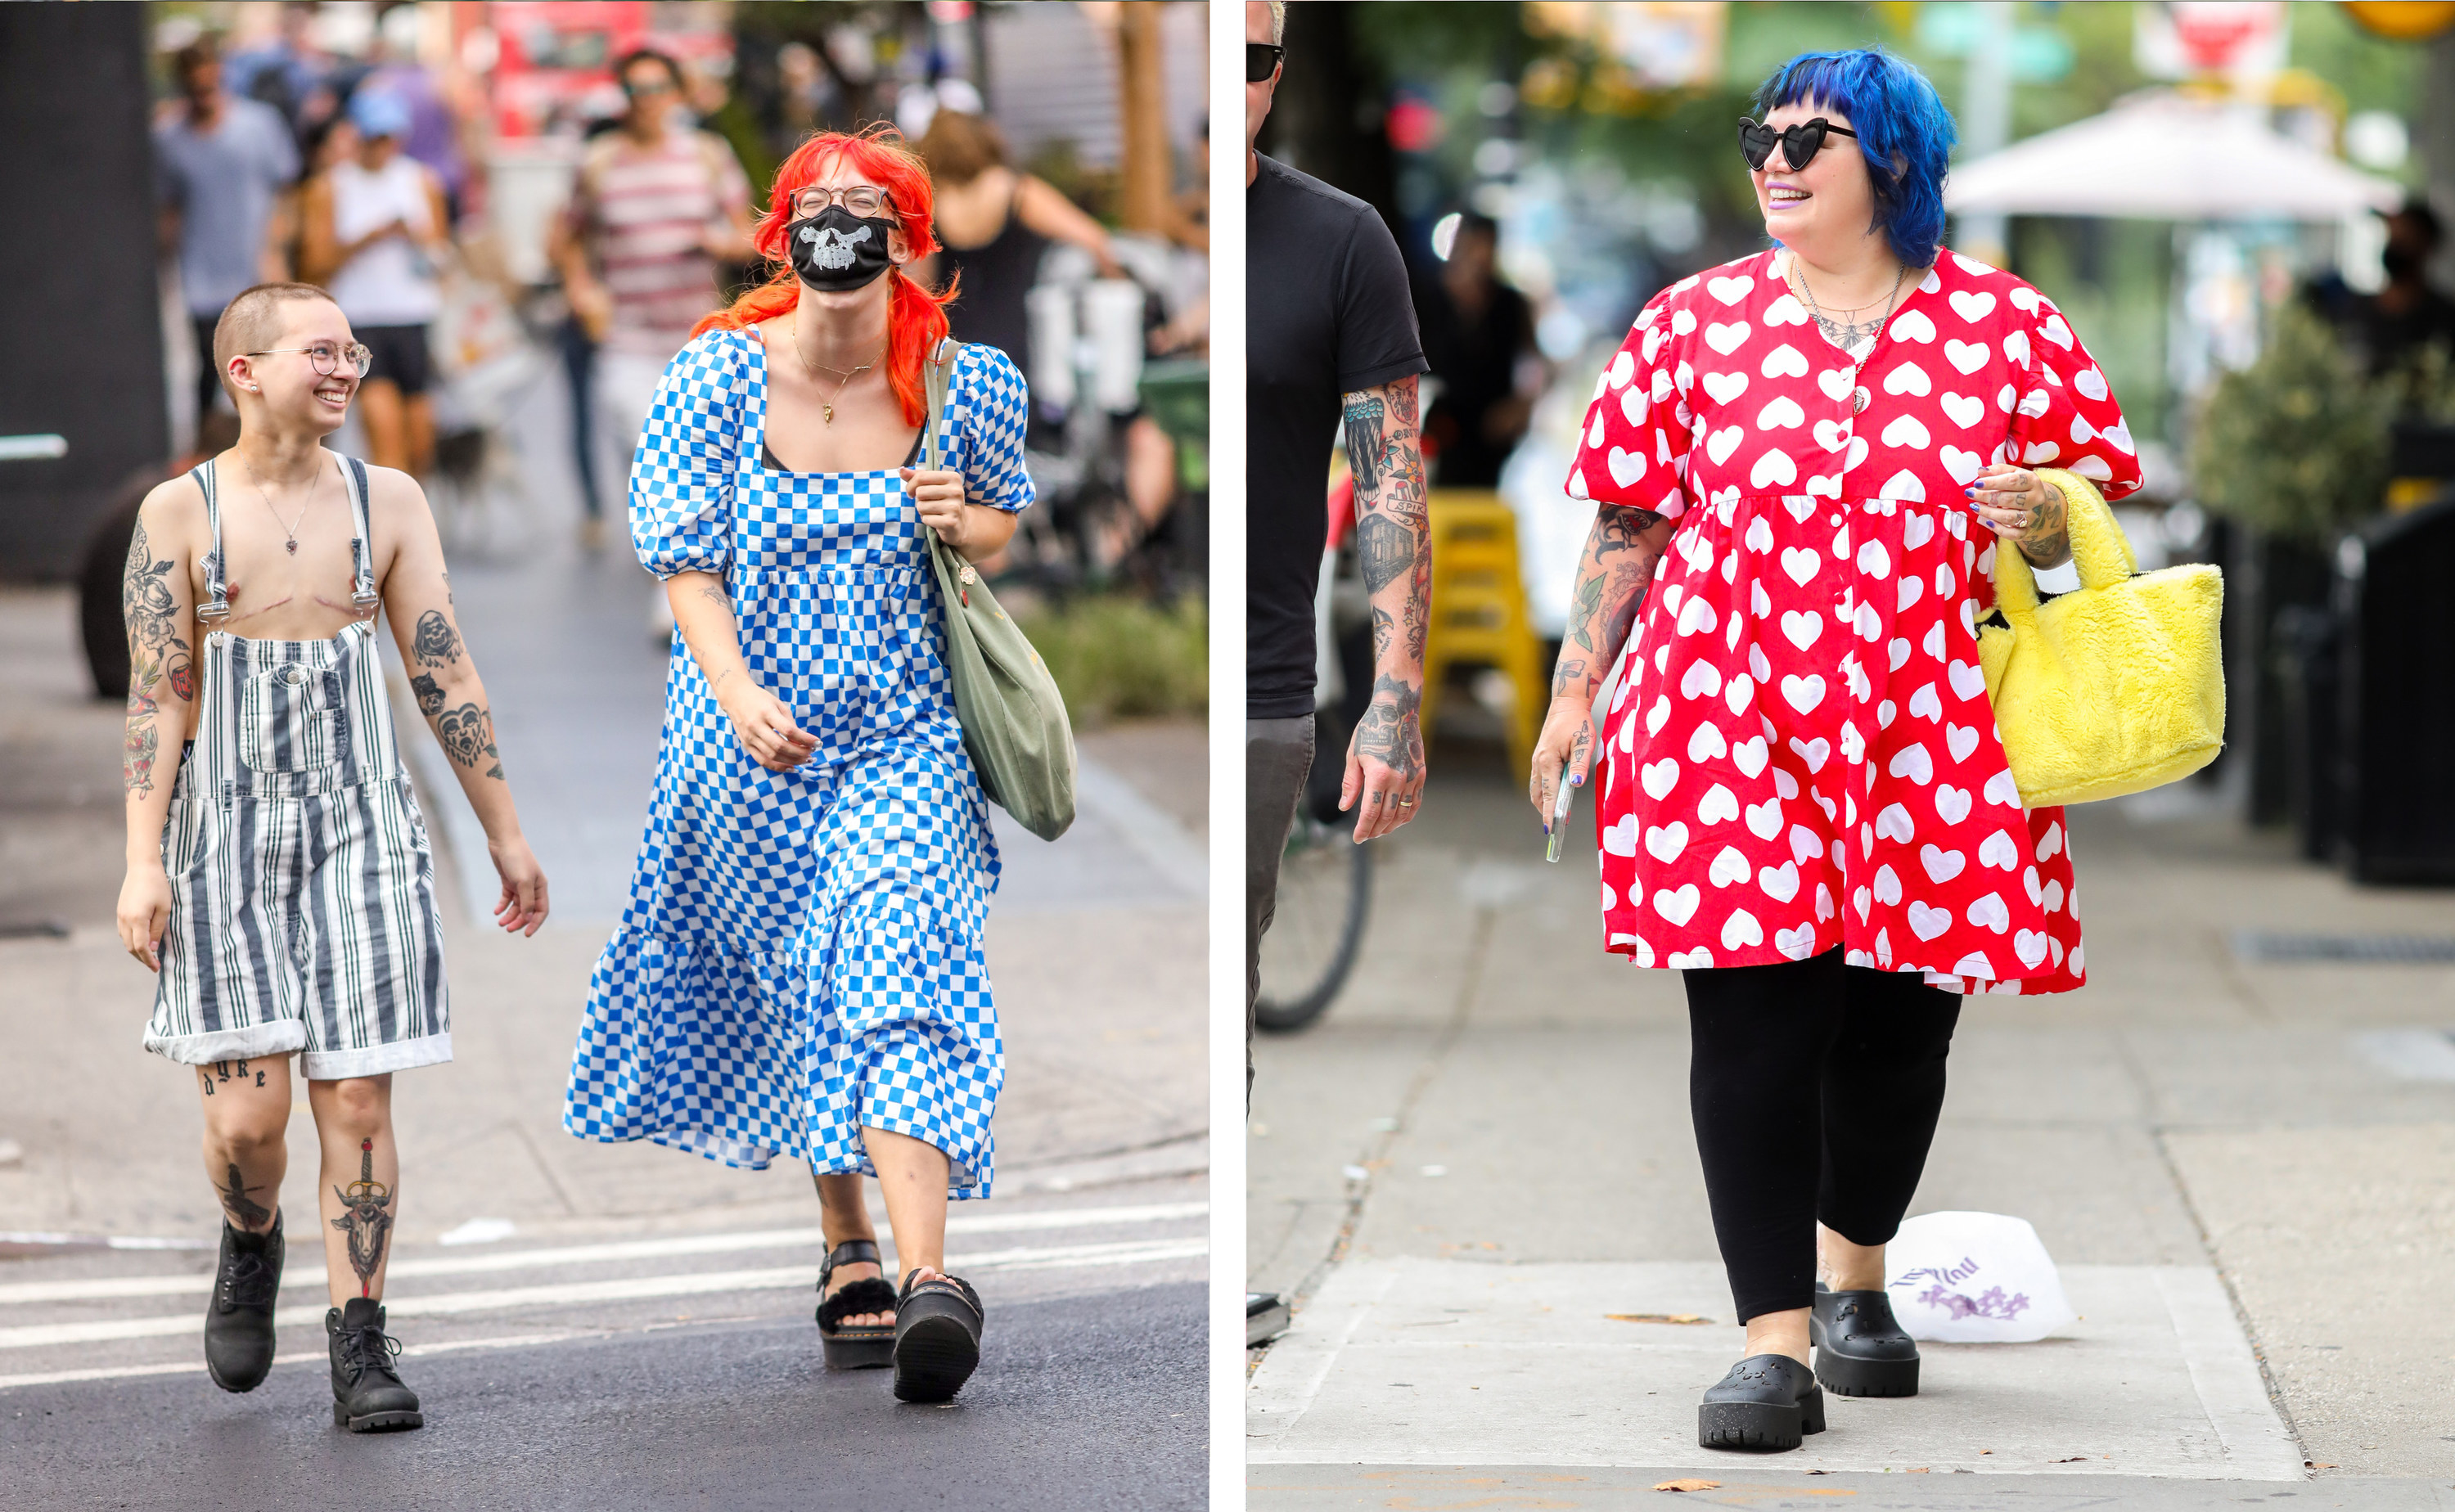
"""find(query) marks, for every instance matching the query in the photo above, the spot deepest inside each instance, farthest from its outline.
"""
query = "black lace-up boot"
(368, 1396)
(238, 1321)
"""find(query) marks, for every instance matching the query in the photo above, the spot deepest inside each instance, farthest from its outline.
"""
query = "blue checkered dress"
(801, 956)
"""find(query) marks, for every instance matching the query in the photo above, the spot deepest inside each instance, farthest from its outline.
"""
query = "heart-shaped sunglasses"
(1799, 145)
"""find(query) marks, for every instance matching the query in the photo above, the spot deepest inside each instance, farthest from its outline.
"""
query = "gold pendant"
(826, 412)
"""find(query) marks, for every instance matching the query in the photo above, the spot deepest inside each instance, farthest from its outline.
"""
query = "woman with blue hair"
(1805, 804)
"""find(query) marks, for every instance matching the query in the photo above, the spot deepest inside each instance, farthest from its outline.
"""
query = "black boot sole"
(857, 1352)
(237, 1387)
(377, 1422)
(933, 1357)
(1762, 1427)
(1851, 1376)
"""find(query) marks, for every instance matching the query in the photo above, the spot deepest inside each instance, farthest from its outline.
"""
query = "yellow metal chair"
(1478, 611)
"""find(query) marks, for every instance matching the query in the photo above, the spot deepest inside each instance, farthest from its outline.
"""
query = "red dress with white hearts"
(1801, 754)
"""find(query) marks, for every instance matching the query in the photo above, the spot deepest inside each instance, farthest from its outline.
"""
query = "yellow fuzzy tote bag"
(2114, 689)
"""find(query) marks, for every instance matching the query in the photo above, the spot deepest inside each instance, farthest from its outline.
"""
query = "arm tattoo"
(245, 1212)
(1384, 629)
(157, 654)
(366, 1216)
(436, 643)
(715, 595)
(1364, 442)
(430, 694)
(467, 737)
(1612, 578)
(1391, 732)
(1386, 547)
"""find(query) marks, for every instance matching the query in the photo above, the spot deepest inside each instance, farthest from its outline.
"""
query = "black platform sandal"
(1767, 1402)
(1861, 1349)
(864, 1346)
(937, 1337)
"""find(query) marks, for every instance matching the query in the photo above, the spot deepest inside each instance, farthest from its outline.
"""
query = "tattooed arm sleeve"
(158, 602)
(442, 675)
(1613, 572)
(1394, 545)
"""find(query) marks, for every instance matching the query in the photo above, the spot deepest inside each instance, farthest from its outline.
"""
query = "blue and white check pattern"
(802, 953)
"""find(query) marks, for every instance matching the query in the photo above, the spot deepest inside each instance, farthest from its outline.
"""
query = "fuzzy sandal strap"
(868, 1296)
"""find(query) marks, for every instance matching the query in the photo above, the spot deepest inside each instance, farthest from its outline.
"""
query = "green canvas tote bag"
(1014, 718)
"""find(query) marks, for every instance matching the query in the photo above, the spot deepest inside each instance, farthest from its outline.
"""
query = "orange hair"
(914, 320)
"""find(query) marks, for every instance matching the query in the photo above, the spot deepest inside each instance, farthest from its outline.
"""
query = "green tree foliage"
(2295, 444)
(1123, 657)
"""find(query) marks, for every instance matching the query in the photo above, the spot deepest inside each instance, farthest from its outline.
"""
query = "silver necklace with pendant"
(1848, 334)
(290, 530)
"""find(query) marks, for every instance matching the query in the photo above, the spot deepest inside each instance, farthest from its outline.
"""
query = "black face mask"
(837, 250)
(2402, 262)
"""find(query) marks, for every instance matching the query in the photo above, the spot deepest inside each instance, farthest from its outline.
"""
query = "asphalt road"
(1083, 1400)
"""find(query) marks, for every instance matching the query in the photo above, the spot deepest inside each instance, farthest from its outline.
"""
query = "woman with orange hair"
(799, 970)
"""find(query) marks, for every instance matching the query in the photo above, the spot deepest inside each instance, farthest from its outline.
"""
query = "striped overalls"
(302, 892)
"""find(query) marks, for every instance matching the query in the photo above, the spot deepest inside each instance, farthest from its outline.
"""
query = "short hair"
(2417, 210)
(623, 65)
(251, 320)
(1278, 21)
(205, 49)
(1904, 134)
(960, 147)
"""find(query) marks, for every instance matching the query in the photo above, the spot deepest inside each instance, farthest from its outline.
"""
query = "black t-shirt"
(1327, 312)
(1476, 361)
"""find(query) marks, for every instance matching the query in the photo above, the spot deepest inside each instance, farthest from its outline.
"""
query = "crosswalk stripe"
(632, 1288)
(185, 1367)
(198, 1283)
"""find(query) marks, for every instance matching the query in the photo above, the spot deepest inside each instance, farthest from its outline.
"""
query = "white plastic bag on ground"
(1973, 1278)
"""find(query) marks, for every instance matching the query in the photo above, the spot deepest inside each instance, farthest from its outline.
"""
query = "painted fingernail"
(1577, 782)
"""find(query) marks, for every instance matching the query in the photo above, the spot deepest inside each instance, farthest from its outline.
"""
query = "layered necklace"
(828, 406)
(1847, 334)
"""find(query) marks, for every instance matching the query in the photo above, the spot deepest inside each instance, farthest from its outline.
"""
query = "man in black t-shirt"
(1330, 342)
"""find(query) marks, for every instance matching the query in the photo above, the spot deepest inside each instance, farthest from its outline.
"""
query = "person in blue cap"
(373, 231)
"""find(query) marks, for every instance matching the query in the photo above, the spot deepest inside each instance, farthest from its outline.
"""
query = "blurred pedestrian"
(374, 229)
(1806, 805)
(656, 208)
(1479, 338)
(1330, 341)
(292, 73)
(279, 883)
(817, 857)
(224, 161)
(2388, 328)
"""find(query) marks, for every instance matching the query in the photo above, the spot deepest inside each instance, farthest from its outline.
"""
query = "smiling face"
(1824, 207)
(285, 384)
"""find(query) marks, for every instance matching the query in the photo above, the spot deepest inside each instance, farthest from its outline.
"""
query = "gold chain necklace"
(826, 406)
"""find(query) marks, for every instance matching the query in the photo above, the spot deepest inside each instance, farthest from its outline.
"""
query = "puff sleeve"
(1632, 450)
(682, 475)
(2066, 417)
(988, 406)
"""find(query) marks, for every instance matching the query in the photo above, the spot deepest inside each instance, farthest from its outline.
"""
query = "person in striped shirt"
(657, 205)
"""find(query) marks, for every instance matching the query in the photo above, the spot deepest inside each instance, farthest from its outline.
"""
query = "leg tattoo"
(245, 1211)
(364, 1217)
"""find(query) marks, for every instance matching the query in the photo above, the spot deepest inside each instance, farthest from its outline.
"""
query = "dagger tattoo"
(364, 1217)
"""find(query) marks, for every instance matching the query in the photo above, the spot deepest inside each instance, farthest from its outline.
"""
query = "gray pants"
(1278, 758)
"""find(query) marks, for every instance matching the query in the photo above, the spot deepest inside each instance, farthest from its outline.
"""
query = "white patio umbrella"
(2164, 157)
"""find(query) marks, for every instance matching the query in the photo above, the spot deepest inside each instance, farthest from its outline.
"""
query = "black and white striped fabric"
(303, 913)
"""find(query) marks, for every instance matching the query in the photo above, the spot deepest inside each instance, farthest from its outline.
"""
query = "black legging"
(1815, 1087)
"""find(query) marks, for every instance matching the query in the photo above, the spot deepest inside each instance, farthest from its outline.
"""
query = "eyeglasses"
(634, 88)
(862, 200)
(1800, 144)
(1261, 60)
(326, 356)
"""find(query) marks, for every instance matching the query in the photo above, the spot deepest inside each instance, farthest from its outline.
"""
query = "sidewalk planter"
(2305, 667)
(2397, 760)
(2268, 575)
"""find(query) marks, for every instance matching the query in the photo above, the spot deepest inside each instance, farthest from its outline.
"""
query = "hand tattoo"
(436, 643)
(428, 692)
(467, 737)
(1391, 731)
(365, 1218)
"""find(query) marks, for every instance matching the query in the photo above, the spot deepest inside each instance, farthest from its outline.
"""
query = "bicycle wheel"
(1317, 928)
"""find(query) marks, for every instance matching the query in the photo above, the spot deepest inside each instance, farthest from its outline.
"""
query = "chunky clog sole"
(933, 1357)
(1853, 1377)
(859, 1350)
(1762, 1427)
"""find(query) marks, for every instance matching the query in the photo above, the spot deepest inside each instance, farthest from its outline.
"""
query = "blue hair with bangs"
(1904, 134)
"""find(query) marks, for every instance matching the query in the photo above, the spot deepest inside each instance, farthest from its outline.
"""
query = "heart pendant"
(292, 547)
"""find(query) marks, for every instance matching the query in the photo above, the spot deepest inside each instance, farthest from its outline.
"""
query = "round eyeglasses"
(862, 200)
(326, 356)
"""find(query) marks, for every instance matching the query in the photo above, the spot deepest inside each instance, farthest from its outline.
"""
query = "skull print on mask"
(837, 250)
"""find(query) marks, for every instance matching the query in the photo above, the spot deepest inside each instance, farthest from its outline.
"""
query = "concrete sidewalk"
(2245, 1170)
